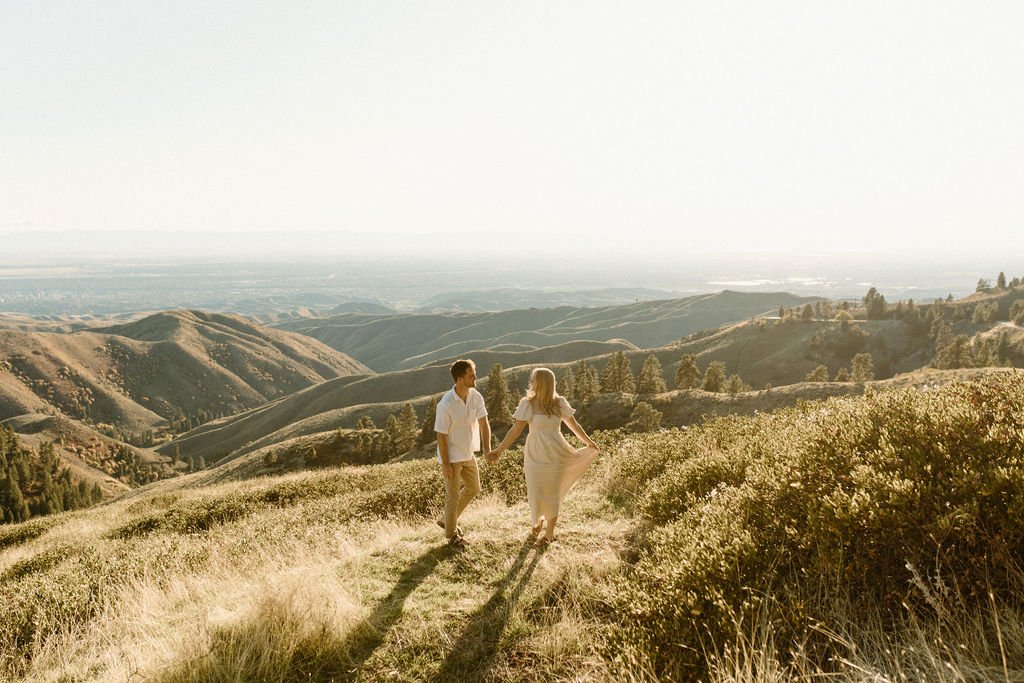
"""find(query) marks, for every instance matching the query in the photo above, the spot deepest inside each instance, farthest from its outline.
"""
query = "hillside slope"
(392, 342)
(169, 366)
(812, 543)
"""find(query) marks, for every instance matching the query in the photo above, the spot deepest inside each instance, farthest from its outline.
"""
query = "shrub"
(853, 495)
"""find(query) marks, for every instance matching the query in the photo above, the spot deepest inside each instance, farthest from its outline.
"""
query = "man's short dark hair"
(460, 367)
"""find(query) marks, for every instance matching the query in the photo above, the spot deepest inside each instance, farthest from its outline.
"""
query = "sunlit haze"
(511, 127)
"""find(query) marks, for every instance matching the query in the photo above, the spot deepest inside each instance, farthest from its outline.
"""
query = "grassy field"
(864, 539)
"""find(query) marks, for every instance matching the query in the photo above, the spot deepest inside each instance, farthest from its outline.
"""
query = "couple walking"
(552, 466)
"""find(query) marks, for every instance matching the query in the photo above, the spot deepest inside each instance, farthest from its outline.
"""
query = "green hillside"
(857, 538)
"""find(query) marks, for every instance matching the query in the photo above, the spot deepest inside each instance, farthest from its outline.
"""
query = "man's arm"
(485, 434)
(442, 447)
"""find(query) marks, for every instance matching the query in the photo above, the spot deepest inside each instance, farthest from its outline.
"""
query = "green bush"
(854, 495)
(505, 477)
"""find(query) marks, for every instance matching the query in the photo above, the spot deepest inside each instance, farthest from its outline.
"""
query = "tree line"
(34, 483)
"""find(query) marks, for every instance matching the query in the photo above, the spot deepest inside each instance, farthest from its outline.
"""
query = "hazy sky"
(711, 125)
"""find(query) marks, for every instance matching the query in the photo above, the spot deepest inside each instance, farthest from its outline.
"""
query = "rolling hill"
(763, 352)
(142, 375)
(101, 394)
(403, 341)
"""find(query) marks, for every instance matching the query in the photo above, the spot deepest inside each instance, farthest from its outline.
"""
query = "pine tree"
(687, 372)
(874, 304)
(735, 385)
(1001, 280)
(956, 353)
(427, 433)
(618, 375)
(392, 436)
(567, 385)
(498, 399)
(651, 379)
(644, 418)
(818, 374)
(409, 426)
(807, 314)
(408, 419)
(862, 368)
(714, 377)
(586, 381)
(365, 422)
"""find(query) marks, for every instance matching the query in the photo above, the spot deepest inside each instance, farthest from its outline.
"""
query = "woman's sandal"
(537, 529)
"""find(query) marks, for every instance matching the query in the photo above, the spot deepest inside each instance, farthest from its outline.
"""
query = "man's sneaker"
(458, 529)
(457, 541)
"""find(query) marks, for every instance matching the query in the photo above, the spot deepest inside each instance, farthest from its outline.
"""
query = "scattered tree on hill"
(714, 377)
(986, 353)
(651, 379)
(567, 385)
(862, 368)
(735, 385)
(1017, 312)
(587, 383)
(409, 421)
(956, 353)
(1015, 282)
(499, 399)
(365, 422)
(842, 375)
(818, 374)
(391, 437)
(427, 433)
(687, 372)
(1001, 280)
(807, 315)
(618, 375)
(986, 312)
(983, 284)
(874, 304)
(644, 418)
(843, 318)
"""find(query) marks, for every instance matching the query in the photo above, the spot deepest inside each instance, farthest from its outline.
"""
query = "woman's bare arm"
(576, 429)
(510, 438)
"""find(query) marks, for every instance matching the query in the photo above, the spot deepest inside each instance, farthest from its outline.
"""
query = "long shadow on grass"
(368, 635)
(473, 654)
(265, 647)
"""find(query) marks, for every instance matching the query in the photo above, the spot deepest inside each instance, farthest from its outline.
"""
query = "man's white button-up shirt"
(460, 421)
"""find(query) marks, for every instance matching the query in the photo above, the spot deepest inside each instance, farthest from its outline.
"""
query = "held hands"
(492, 456)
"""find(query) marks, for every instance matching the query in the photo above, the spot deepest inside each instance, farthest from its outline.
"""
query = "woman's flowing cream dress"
(552, 465)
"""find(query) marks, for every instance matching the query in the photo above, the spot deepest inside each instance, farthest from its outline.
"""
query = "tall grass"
(870, 539)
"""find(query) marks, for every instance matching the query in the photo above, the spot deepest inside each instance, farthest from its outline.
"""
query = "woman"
(552, 465)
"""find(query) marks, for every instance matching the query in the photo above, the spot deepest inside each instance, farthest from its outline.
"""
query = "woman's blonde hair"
(541, 391)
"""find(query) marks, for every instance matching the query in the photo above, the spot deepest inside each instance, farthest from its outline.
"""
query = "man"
(460, 423)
